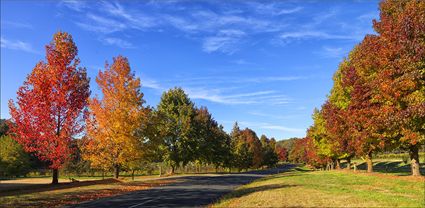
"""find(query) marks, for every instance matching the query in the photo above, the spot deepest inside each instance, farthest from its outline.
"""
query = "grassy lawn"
(72, 193)
(303, 188)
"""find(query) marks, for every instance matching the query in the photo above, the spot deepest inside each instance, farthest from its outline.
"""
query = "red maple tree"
(50, 104)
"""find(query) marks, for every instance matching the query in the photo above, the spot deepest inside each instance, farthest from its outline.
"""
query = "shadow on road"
(189, 191)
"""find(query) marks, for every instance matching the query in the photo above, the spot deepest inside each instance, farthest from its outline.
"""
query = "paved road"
(188, 191)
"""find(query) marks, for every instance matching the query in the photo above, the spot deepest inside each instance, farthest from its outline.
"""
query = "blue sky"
(265, 64)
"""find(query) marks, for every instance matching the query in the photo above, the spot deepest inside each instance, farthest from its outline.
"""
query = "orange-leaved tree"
(51, 104)
(114, 126)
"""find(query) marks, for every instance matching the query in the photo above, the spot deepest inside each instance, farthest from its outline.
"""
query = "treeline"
(117, 131)
(377, 102)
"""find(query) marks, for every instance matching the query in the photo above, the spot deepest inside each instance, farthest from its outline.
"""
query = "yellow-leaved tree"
(115, 124)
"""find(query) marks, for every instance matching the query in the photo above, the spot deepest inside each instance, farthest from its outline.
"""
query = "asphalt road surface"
(188, 191)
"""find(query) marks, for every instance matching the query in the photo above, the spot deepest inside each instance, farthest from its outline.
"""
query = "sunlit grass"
(301, 188)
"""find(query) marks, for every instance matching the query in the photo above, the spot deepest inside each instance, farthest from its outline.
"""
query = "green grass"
(303, 188)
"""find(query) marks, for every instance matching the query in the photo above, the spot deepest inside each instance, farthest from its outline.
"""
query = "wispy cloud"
(241, 62)
(225, 41)
(76, 5)
(289, 11)
(273, 8)
(332, 52)
(134, 19)
(13, 24)
(150, 83)
(218, 96)
(368, 16)
(118, 42)
(283, 128)
(315, 34)
(101, 24)
(273, 116)
(265, 125)
(17, 45)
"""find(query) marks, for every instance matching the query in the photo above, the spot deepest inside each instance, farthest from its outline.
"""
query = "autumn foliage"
(50, 105)
(113, 128)
(377, 102)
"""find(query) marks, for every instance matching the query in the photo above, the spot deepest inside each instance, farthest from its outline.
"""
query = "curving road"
(188, 191)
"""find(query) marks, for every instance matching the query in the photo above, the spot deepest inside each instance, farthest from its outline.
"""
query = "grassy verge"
(66, 194)
(303, 188)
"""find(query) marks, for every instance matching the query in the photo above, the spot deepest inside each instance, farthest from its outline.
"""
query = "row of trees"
(117, 130)
(377, 102)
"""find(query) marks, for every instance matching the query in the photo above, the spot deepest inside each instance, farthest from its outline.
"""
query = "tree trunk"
(132, 175)
(55, 176)
(160, 170)
(116, 171)
(369, 162)
(355, 166)
(414, 160)
(103, 174)
(172, 170)
(349, 163)
(338, 164)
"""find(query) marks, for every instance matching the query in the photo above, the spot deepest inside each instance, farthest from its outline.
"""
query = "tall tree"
(114, 127)
(50, 104)
(401, 82)
(177, 114)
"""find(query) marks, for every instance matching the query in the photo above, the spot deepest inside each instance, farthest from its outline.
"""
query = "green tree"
(4, 128)
(14, 161)
(177, 114)
(270, 158)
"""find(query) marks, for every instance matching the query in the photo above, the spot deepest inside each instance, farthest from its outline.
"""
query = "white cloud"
(118, 42)
(17, 45)
(225, 41)
(267, 97)
(20, 25)
(241, 62)
(134, 20)
(290, 11)
(76, 5)
(101, 24)
(283, 128)
(368, 16)
(274, 9)
(265, 125)
(150, 83)
(315, 35)
(332, 52)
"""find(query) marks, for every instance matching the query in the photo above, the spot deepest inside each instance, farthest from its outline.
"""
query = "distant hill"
(287, 143)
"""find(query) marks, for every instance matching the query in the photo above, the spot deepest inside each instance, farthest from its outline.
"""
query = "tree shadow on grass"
(18, 189)
(394, 167)
(246, 191)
